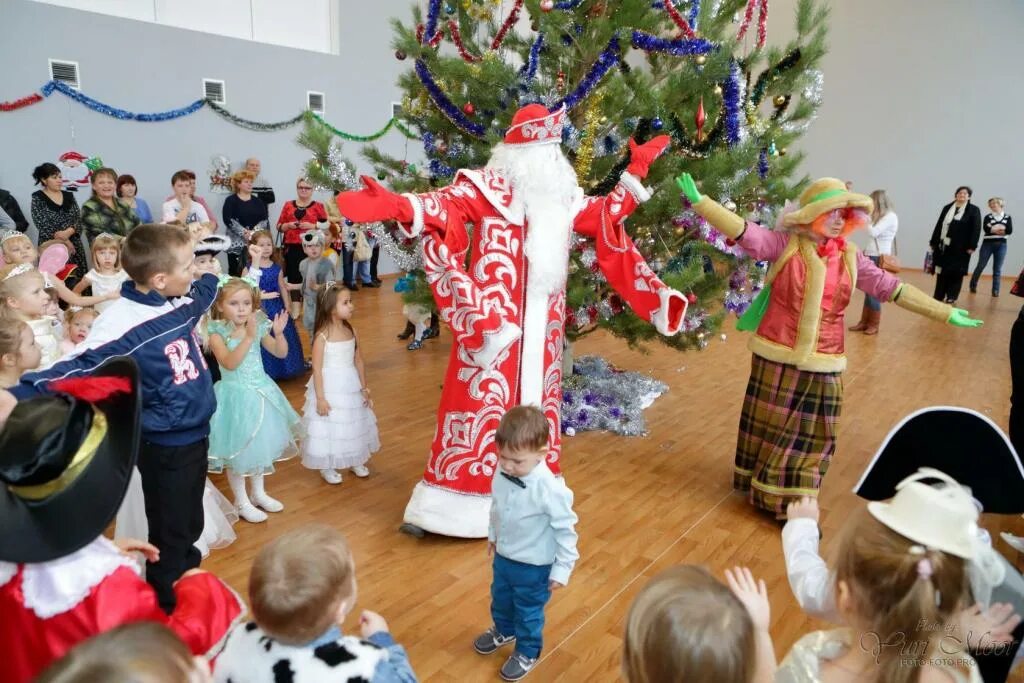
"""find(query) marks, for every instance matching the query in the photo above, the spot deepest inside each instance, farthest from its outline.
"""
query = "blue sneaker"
(490, 641)
(517, 666)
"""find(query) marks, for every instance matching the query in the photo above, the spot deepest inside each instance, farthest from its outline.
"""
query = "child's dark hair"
(326, 302)
(150, 249)
(141, 652)
(524, 428)
(181, 176)
(685, 625)
(275, 255)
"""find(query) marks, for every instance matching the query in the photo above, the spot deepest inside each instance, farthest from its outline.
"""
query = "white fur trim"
(635, 187)
(449, 513)
(417, 216)
(660, 318)
(531, 363)
(495, 343)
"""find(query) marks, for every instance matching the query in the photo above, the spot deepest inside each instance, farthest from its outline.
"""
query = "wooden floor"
(644, 503)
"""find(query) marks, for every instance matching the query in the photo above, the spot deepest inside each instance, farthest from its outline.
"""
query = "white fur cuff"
(495, 343)
(635, 187)
(661, 320)
(447, 512)
(417, 216)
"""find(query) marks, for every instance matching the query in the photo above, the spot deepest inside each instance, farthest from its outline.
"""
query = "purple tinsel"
(649, 43)
(609, 57)
(433, 10)
(530, 70)
(731, 103)
(762, 164)
(446, 106)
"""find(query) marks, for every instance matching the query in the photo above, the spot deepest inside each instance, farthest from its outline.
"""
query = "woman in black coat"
(953, 241)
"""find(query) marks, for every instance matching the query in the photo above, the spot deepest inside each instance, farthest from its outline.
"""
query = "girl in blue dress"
(273, 298)
(254, 424)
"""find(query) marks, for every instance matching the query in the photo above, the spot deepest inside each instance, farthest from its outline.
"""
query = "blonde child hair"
(10, 335)
(107, 241)
(73, 314)
(7, 241)
(15, 280)
(898, 588)
(141, 652)
(686, 625)
(228, 289)
(299, 581)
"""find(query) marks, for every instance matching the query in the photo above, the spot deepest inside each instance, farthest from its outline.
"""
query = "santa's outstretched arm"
(623, 266)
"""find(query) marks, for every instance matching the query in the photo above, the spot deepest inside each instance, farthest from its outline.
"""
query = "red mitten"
(642, 156)
(375, 203)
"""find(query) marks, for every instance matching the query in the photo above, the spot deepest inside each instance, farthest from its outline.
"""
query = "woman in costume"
(790, 419)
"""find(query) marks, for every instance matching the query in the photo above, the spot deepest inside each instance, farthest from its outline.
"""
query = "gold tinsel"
(592, 119)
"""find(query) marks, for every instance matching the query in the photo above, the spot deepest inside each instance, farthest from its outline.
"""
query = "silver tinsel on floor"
(599, 396)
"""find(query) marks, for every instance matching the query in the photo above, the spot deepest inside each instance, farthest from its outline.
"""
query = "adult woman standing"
(127, 192)
(55, 213)
(884, 225)
(997, 226)
(103, 211)
(298, 216)
(244, 213)
(953, 241)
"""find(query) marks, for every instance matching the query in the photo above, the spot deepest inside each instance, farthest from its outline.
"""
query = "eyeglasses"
(302, 187)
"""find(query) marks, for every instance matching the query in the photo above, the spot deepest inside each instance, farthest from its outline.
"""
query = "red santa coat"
(492, 368)
(48, 608)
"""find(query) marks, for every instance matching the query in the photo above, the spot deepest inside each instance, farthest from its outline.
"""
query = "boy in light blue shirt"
(532, 536)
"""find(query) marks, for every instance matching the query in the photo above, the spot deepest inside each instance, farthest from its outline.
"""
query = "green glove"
(960, 318)
(688, 187)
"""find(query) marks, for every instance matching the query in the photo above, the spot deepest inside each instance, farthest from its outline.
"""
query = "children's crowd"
(120, 389)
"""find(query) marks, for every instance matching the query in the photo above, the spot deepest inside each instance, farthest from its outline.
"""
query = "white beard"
(544, 184)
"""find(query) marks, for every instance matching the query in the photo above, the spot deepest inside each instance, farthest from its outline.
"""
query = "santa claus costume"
(506, 310)
(65, 461)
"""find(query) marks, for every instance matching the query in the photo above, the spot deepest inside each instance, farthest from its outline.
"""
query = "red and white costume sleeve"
(508, 339)
(48, 608)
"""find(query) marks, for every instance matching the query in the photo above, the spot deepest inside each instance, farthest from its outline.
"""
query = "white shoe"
(251, 514)
(361, 471)
(331, 476)
(1015, 542)
(266, 502)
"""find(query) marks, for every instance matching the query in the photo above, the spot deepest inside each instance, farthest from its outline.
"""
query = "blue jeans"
(519, 592)
(989, 249)
(363, 272)
(870, 301)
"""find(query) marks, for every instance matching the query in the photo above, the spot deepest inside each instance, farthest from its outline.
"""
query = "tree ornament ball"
(782, 151)
(680, 230)
(547, 5)
(603, 119)
(468, 109)
(718, 90)
(382, 176)
(779, 100)
(701, 59)
(449, 8)
(400, 55)
(691, 297)
(657, 123)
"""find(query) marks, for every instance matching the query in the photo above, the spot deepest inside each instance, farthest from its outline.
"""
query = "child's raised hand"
(255, 253)
(371, 622)
(805, 508)
(251, 327)
(323, 408)
(280, 320)
(753, 594)
(994, 625)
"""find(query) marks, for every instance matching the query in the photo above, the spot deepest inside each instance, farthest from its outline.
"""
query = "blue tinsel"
(446, 106)
(530, 69)
(433, 10)
(122, 114)
(731, 103)
(437, 168)
(609, 57)
(568, 5)
(650, 43)
(762, 164)
(694, 10)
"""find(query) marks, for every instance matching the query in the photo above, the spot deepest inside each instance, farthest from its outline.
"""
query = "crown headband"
(19, 269)
(10, 235)
(108, 235)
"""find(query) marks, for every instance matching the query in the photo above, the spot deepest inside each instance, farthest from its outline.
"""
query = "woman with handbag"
(298, 216)
(954, 239)
(881, 250)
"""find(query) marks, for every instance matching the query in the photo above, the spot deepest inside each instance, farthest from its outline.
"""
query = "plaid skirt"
(787, 433)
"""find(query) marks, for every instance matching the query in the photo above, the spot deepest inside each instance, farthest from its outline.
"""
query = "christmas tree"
(698, 71)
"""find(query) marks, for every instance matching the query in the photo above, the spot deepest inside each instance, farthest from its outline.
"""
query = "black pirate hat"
(961, 442)
(65, 462)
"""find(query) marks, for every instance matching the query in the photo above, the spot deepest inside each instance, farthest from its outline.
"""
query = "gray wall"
(920, 96)
(146, 67)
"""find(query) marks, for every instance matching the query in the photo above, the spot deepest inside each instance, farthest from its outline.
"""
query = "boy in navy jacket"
(154, 322)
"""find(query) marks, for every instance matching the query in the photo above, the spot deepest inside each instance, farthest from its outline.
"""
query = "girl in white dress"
(341, 429)
(107, 275)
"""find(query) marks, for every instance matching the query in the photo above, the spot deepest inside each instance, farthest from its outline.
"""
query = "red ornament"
(547, 5)
(468, 109)
(699, 119)
(691, 297)
(561, 81)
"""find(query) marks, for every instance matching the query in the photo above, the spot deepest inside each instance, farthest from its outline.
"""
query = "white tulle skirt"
(218, 516)
(348, 436)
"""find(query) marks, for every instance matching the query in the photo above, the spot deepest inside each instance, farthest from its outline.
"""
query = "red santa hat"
(72, 156)
(535, 125)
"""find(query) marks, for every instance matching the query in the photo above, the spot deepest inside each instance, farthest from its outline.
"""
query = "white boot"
(260, 497)
(246, 510)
